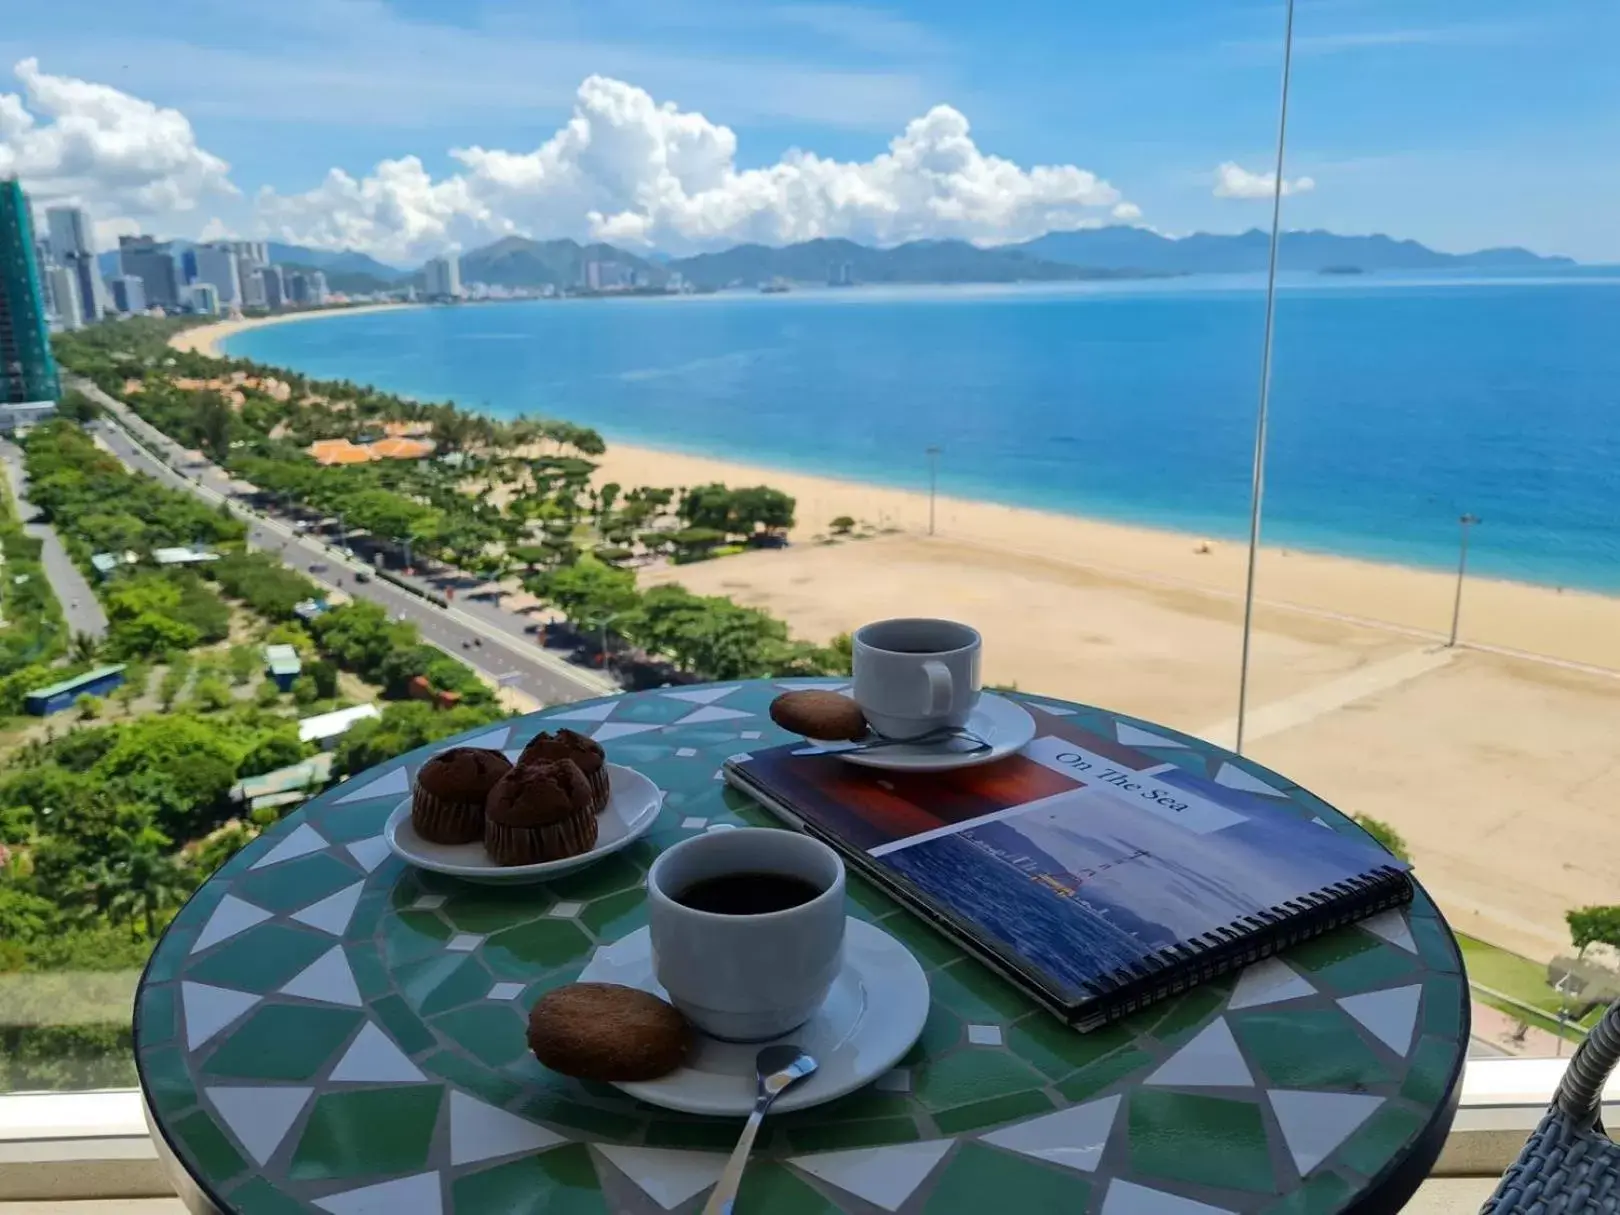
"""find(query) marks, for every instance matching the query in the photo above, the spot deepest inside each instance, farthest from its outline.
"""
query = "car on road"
(362, 576)
(318, 567)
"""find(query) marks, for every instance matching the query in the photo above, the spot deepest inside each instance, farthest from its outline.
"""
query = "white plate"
(871, 1017)
(1006, 725)
(633, 803)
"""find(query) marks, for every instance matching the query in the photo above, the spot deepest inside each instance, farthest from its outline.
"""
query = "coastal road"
(502, 653)
(79, 603)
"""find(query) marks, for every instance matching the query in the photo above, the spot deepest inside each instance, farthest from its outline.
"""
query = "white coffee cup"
(746, 978)
(916, 675)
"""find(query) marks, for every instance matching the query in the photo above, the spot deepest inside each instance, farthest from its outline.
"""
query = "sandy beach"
(1492, 759)
(208, 339)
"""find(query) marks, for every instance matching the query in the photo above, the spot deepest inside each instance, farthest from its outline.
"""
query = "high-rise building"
(73, 246)
(297, 286)
(217, 264)
(442, 277)
(252, 256)
(27, 370)
(203, 297)
(256, 252)
(252, 284)
(43, 265)
(318, 290)
(275, 286)
(154, 263)
(62, 297)
(128, 294)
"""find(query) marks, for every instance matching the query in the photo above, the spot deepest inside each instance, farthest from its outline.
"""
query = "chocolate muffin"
(586, 753)
(539, 811)
(602, 1031)
(447, 804)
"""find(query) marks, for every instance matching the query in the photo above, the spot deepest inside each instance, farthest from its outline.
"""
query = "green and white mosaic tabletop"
(323, 1028)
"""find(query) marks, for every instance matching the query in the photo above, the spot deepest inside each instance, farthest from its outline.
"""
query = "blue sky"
(1459, 125)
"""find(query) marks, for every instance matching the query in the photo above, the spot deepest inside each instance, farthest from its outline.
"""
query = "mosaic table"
(323, 1028)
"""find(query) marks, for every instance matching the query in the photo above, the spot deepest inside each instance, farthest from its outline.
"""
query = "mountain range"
(1124, 248)
(1091, 253)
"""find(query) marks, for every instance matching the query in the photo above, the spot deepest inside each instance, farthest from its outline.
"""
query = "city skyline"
(76, 289)
(914, 122)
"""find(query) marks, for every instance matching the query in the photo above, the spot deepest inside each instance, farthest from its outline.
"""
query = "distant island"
(1114, 252)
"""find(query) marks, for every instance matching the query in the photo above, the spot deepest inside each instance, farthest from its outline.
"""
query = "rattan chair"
(1570, 1166)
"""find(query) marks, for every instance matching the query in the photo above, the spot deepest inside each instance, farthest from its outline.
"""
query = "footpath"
(79, 603)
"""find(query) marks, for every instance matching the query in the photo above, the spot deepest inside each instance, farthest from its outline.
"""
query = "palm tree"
(138, 879)
(83, 647)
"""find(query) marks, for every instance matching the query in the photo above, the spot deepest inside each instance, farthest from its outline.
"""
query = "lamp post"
(1464, 522)
(933, 484)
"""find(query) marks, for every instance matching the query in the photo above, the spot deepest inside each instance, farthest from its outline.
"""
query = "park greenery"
(499, 498)
(34, 631)
(700, 634)
(113, 812)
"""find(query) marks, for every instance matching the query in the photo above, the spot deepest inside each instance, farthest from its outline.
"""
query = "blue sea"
(1398, 403)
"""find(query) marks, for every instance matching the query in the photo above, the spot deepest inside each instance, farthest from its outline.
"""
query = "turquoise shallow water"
(1396, 404)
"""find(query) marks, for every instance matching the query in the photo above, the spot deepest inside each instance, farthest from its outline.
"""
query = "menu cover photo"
(1084, 863)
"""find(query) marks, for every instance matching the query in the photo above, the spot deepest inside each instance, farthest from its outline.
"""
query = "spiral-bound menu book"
(1098, 871)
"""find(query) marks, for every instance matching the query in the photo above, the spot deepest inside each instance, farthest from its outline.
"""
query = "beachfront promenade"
(503, 653)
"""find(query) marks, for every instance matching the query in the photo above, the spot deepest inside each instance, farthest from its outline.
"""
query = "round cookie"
(447, 801)
(602, 1031)
(819, 714)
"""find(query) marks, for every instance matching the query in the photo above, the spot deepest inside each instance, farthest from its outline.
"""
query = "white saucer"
(633, 803)
(1006, 725)
(871, 1017)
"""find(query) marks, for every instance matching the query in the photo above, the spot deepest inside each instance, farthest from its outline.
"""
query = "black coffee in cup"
(747, 893)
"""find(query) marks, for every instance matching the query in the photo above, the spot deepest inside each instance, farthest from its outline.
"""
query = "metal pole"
(1258, 485)
(933, 483)
(1464, 522)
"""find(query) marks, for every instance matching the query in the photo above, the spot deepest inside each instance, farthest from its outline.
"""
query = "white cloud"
(128, 162)
(1232, 180)
(628, 169)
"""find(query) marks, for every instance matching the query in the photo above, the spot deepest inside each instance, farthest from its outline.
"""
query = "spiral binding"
(1245, 940)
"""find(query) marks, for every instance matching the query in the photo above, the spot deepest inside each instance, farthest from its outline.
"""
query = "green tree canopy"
(589, 590)
(404, 727)
(1593, 926)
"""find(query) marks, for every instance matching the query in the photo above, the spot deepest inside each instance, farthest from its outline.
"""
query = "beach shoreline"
(208, 339)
